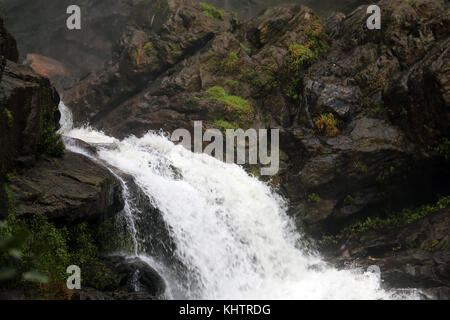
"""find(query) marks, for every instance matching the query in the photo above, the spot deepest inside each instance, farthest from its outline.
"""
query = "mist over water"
(231, 231)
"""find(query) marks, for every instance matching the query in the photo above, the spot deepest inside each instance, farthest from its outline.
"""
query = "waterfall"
(230, 230)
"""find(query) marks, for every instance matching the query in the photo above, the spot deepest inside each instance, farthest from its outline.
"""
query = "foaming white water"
(85, 133)
(66, 121)
(231, 230)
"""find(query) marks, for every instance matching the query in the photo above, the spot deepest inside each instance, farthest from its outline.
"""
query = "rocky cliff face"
(40, 30)
(363, 114)
(29, 113)
(146, 53)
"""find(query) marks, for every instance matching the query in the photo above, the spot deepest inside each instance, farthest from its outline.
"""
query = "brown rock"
(46, 67)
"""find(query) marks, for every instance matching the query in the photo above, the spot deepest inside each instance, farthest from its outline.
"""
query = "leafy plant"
(326, 124)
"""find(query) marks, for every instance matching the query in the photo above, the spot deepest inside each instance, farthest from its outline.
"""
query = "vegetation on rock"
(326, 124)
(395, 220)
(211, 11)
(442, 148)
(9, 117)
(237, 103)
(314, 198)
(46, 250)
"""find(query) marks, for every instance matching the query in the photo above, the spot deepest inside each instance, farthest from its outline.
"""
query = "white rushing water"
(231, 231)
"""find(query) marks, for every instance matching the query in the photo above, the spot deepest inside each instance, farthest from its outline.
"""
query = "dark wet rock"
(67, 190)
(137, 278)
(28, 114)
(29, 98)
(411, 256)
(318, 171)
(131, 279)
(342, 100)
(388, 116)
(8, 47)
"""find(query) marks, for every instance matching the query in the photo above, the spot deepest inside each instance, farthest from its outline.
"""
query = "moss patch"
(51, 142)
(225, 64)
(239, 104)
(314, 198)
(230, 63)
(300, 56)
(211, 11)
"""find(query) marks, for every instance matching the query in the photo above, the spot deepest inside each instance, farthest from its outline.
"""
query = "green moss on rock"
(314, 198)
(51, 142)
(239, 104)
(211, 11)
(230, 63)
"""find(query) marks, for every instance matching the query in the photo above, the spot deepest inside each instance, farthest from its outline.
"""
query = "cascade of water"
(231, 231)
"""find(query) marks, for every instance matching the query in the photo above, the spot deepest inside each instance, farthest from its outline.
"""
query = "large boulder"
(131, 279)
(68, 190)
